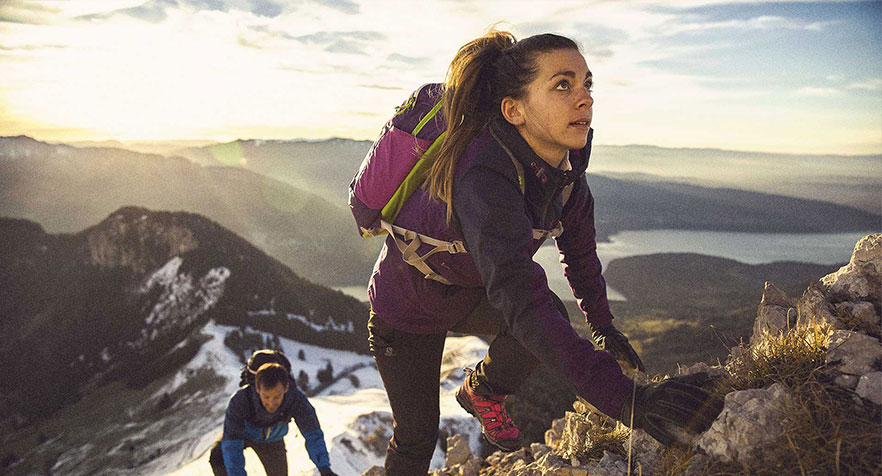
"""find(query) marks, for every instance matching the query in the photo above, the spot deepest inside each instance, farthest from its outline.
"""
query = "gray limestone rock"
(612, 465)
(772, 296)
(713, 371)
(857, 353)
(870, 387)
(374, 471)
(539, 450)
(847, 381)
(458, 451)
(697, 465)
(749, 423)
(645, 450)
(576, 427)
(861, 278)
(772, 319)
(553, 434)
(863, 314)
(815, 307)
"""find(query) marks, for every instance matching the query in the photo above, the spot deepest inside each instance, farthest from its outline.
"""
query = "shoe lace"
(497, 412)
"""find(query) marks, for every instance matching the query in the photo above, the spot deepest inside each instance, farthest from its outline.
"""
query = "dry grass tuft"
(791, 358)
(600, 434)
(828, 430)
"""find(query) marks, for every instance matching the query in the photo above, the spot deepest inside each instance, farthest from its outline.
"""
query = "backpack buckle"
(455, 247)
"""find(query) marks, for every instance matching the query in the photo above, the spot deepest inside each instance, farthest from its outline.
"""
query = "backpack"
(397, 164)
(259, 358)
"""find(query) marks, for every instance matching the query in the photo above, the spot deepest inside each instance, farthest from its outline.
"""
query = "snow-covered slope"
(356, 419)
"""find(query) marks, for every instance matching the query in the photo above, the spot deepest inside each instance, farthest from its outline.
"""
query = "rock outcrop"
(750, 423)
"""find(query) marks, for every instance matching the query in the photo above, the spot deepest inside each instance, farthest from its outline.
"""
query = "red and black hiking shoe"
(496, 425)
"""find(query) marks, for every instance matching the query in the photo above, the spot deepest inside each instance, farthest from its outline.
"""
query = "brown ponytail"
(484, 72)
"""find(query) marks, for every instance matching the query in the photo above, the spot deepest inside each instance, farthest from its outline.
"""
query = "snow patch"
(356, 420)
(182, 299)
(330, 325)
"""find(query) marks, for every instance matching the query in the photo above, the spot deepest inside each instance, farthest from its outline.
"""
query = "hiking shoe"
(496, 426)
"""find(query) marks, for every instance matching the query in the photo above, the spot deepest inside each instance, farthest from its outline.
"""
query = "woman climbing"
(507, 170)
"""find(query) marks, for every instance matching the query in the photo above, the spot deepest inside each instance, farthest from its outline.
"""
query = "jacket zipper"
(557, 190)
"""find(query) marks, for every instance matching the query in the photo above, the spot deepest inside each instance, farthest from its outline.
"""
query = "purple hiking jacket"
(495, 220)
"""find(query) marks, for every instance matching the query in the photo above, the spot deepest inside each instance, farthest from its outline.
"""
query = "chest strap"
(409, 241)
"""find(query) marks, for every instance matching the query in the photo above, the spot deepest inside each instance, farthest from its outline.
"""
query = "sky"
(756, 76)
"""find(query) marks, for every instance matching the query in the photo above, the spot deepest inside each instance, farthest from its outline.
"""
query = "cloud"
(380, 86)
(874, 84)
(319, 70)
(152, 11)
(325, 37)
(345, 47)
(817, 92)
(155, 11)
(26, 12)
(347, 42)
(30, 47)
(216, 5)
(345, 6)
(767, 22)
(266, 8)
(409, 60)
(242, 41)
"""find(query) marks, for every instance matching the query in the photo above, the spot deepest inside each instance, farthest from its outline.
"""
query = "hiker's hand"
(613, 341)
(326, 471)
(672, 411)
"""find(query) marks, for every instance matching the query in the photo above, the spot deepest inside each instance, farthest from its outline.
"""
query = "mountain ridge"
(120, 300)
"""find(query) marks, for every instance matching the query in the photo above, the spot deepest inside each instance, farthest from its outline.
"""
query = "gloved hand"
(326, 471)
(613, 341)
(673, 411)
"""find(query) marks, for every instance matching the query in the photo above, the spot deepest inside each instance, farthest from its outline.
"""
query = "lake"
(750, 248)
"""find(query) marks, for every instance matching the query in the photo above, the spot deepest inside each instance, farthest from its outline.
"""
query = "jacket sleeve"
(307, 422)
(498, 234)
(578, 254)
(233, 441)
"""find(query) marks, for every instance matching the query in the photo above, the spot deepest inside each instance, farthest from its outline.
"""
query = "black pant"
(410, 366)
(271, 454)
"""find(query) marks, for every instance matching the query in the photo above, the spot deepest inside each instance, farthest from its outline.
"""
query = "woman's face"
(555, 114)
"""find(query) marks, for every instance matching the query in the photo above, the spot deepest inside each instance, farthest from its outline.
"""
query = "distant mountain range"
(645, 205)
(324, 168)
(635, 203)
(289, 197)
(121, 300)
(67, 189)
(854, 181)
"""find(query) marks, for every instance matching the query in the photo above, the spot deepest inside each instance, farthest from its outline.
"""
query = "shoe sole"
(465, 406)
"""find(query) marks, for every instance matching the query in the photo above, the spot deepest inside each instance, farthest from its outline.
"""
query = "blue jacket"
(246, 419)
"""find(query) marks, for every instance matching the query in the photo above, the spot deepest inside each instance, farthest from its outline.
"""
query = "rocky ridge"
(838, 316)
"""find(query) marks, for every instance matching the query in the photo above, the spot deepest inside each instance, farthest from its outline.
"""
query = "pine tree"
(303, 380)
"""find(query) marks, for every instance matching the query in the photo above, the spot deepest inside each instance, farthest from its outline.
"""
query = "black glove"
(613, 341)
(326, 471)
(673, 411)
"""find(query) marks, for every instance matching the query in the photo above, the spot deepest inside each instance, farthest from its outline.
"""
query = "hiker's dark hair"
(270, 375)
(484, 71)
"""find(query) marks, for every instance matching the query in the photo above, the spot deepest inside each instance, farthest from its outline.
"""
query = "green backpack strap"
(417, 174)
